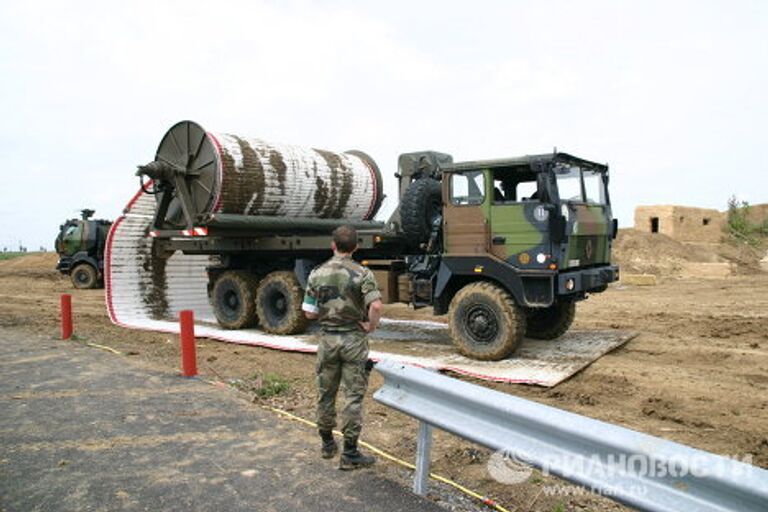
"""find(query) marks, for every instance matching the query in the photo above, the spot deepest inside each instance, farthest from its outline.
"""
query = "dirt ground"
(696, 374)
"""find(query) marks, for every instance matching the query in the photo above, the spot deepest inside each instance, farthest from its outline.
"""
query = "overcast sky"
(671, 94)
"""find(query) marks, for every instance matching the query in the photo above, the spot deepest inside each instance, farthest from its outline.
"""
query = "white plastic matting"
(143, 292)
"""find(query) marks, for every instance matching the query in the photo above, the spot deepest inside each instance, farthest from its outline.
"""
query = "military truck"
(505, 247)
(80, 246)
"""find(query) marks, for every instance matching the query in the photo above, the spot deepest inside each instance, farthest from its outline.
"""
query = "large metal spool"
(230, 174)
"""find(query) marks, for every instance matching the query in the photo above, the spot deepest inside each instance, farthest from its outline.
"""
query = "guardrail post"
(188, 356)
(423, 458)
(66, 316)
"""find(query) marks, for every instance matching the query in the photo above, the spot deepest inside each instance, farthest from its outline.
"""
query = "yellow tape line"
(486, 501)
(102, 347)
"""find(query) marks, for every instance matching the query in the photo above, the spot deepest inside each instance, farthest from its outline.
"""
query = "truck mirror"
(614, 229)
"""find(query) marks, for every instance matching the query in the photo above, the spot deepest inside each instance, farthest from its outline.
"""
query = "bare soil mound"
(655, 253)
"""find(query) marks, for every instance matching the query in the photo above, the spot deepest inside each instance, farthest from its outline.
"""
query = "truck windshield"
(594, 187)
(569, 184)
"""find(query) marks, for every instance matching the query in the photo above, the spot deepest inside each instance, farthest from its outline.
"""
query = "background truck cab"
(80, 246)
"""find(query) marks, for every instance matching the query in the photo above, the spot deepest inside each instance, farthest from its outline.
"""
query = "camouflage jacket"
(339, 291)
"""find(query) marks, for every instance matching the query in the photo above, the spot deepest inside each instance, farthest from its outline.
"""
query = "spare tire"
(422, 203)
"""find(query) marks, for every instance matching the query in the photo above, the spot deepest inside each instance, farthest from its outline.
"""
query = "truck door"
(519, 229)
(465, 219)
(584, 194)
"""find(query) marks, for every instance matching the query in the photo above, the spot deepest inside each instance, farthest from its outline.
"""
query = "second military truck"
(80, 245)
(505, 248)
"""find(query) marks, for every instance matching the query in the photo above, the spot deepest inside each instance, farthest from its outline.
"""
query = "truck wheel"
(550, 323)
(278, 304)
(84, 277)
(233, 300)
(485, 323)
(422, 204)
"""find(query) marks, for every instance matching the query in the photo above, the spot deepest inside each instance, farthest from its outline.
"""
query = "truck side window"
(468, 188)
(527, 191)
(512, 185)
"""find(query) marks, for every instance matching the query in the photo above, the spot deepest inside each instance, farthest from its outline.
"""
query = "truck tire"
(84, 276)
(485, 322)
(233, 299)
(278, 304)
(421, 204)
(550, 323)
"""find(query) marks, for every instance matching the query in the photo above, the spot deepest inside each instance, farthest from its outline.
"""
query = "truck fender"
(466, 269)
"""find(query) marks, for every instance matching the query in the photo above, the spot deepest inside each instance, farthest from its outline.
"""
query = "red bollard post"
(188, 356)
(66, 316)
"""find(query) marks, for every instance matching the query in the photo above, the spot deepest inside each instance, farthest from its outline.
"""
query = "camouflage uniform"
(339, 291)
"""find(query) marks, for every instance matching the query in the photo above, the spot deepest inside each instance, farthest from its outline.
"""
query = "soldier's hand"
(366, 326)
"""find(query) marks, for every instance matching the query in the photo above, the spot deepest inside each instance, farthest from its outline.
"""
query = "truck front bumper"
(587, 280)
(64, 265)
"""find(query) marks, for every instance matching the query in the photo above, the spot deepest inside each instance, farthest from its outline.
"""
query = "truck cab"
(545, 218)
(522, 240)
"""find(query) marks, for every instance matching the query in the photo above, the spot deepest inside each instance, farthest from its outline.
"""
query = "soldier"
(344, 297)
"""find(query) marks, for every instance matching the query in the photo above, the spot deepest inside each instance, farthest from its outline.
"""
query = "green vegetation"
(740, 227)
(271, 385)
(10, 255)
(264, 386)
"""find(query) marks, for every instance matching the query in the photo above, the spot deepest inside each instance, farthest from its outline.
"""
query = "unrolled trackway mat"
(144, 292)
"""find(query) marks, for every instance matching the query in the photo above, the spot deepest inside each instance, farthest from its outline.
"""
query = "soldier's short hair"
(345, 238)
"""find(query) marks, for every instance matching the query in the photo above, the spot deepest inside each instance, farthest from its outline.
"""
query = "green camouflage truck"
(511, 244)
(80, 245)
(505, 248)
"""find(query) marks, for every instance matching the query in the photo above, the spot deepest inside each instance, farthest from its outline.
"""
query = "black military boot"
(351, 458)
(330, 448)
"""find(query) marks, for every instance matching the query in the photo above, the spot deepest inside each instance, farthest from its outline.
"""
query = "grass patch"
(272, 385)
(10, 255)
(264, 386)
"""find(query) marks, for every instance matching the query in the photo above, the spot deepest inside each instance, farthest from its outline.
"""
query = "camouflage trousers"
(341, 359)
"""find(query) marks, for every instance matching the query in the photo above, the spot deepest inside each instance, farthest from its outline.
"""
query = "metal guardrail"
(633, 468)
